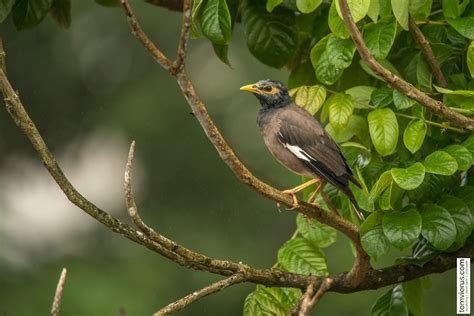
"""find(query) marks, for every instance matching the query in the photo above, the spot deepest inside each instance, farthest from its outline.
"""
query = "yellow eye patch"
(273, 91)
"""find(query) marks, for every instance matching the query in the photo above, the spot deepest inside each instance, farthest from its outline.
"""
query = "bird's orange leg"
(316, 192)
(298, 188)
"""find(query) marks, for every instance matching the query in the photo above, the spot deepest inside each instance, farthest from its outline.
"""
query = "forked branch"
(435, 106)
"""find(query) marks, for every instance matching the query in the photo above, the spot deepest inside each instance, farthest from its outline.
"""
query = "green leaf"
(270, 301)
(467, 93)
(461, 215)
(390, 196)
(310, 98)
(452, 8)
(195, 17)
(385, 63)
(420, 9)
(440, 162)
(382, 183)
(336, 24)
(464, 26)
(400, 10)
(358, 8)
(216, 22)
(271, 4)
(330, 57)
(469, 144)
(221, 52)
(383, 128)
(341, 107)
(461, 154)
(409, 178)
(321, 235)
(391, 303)
(356, 155)
(372, 237)
(5, 9)
(379, 37)
(466, 194)
(424, 75)
(413, 291)
(374, 10)
(61, 12)
(401, 101)
(356, 126)
(308, 6)
(441, 52)
(302, 256)
(469, 58)
(271, 37)
(29, 13)
(361, 96)
(382, 97)
(402, 228)
(438, 226)
(414, 135)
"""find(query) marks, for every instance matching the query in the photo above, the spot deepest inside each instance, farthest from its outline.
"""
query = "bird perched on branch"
(299, 142)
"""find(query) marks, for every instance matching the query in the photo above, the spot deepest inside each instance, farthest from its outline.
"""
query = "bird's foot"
(292, 193)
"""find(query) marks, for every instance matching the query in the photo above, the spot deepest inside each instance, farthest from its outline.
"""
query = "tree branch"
(310, 299)
(138, 32)
(427, 52)
(236, 278)
(396, 82)
(59, 293)
(238, 168)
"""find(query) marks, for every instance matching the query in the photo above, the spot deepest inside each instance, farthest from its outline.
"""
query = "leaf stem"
(442, 125)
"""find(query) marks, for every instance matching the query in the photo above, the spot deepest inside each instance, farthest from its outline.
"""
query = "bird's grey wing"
(301, 134)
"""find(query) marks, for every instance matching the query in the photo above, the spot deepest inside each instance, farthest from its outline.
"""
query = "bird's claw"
(295, 200)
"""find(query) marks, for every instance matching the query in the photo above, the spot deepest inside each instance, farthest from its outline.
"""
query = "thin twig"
(310, 300)
(138, 32)
(437, 107)
(59, 293)
(444, 125)
(236, 278)
(427, 52)
(178, 64)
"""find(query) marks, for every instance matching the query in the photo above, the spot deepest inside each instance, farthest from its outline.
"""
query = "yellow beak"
(250, 88)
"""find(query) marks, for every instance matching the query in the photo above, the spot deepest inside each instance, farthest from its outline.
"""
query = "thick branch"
(427, 52)
(396, 82)
(191, 298)
(59, 293)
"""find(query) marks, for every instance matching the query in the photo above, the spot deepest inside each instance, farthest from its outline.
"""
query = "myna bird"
(299, 142)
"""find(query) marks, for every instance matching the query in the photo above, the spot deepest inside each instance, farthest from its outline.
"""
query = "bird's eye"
(266, 88)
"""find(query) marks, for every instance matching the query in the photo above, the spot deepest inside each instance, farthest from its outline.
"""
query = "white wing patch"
(297, 151)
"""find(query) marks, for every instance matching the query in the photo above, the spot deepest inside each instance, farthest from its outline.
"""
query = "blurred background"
(93, 89)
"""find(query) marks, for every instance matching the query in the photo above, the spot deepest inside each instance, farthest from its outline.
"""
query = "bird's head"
(270, 93)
